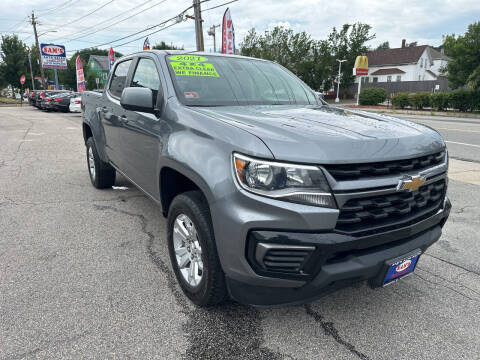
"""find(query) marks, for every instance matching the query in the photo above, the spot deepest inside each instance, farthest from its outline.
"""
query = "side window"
(119, 78)
(146, 75)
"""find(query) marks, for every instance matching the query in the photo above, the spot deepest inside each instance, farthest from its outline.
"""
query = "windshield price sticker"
(192, 58)
(182, 68)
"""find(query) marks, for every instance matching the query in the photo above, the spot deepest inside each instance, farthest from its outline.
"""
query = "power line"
(117, 22)
(214, 7)
(141, 37)
(112, 18)
(179, 18)
(56, 7)
(84, 16)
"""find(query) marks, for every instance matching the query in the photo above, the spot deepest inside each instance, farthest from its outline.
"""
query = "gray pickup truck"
(272, 196)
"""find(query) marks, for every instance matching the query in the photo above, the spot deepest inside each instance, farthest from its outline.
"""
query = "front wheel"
(102, 174)
(193, 252)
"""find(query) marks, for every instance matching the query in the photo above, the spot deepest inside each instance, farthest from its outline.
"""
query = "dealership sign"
(361, 66)
(53, 56)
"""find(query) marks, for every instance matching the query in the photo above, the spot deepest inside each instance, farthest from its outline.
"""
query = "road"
(84, 273)
(462, 135)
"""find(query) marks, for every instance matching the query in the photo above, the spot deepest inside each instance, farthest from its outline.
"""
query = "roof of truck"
(185, 52)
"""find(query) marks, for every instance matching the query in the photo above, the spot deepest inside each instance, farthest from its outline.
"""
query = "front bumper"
(338, 260)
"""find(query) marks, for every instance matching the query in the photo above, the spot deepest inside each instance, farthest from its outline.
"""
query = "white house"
(408, 63)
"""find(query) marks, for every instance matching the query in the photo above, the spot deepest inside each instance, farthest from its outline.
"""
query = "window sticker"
(190, 95)
(192, 58)
(184, 68)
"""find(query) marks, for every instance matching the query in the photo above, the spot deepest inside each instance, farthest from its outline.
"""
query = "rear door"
(142, 134)
(112, 114)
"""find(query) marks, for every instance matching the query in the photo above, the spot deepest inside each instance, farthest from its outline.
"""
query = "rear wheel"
(102, 174)
(193, 251)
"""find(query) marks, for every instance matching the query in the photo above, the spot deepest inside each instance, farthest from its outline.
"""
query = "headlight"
(302, 184)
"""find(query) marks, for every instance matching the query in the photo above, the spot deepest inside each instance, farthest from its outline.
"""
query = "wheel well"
(87, 132)
(173, 183)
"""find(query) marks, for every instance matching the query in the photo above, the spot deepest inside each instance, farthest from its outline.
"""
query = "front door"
(141, 132)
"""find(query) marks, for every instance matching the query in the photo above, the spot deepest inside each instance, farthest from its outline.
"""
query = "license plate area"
(400, 267)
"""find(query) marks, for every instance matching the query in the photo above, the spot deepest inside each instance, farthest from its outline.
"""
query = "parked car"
(61, 102)
(45, 97)
(271, 195)
(32, 96)
(76, 103)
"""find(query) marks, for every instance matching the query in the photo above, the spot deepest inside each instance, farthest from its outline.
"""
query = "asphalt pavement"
(85, 273)
(462, 135)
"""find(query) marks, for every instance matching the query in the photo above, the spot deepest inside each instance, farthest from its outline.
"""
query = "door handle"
(104, 109)
(124, 119)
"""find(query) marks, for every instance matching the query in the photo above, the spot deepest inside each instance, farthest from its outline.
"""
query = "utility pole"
(211, 32)
(31, 71)
(339, 77)
(198, 25)
(42, 74)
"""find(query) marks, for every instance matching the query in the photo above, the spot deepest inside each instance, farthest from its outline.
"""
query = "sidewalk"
(465, 171)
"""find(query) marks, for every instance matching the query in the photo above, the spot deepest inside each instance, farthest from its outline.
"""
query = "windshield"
(219, 80)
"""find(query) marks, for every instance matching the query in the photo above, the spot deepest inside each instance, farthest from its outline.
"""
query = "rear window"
(220, 80)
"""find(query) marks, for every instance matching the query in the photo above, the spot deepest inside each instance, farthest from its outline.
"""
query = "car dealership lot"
(85, 273)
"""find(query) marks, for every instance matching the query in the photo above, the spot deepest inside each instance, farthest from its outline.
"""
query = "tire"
(210, 289)
(103, 174)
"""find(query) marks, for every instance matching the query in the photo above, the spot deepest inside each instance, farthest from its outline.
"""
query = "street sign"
(97, 81)
(22, 79)
(361, 66)
(53, 56)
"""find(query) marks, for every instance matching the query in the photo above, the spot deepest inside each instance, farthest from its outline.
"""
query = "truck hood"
(329, 135)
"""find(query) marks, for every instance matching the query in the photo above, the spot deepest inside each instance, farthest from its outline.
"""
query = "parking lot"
(85, 273)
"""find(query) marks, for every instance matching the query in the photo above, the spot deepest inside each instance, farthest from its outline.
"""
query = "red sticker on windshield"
(191, 95)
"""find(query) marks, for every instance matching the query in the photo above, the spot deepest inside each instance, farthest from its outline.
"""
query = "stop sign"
(22, 79)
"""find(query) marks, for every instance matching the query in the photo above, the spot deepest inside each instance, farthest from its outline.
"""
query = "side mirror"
(138, 99)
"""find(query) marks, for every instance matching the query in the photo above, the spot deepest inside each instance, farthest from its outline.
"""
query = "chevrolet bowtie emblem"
(411, 183)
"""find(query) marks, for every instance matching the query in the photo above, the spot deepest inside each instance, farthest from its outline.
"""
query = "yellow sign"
(412, 184)
(187, 68)
(361, 65)
(193, 58)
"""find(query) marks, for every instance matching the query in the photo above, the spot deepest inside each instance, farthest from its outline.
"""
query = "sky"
(68, 22)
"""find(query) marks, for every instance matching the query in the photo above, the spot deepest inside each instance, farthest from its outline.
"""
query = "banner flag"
(111, 58)
(80, 77)
(146, 44)
(228, 34)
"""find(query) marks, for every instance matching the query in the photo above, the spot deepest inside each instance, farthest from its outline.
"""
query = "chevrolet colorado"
(272, 196)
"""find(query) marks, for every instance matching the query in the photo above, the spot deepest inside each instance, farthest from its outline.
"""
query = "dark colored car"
(272, 196)
(45, 98)
(61, 102)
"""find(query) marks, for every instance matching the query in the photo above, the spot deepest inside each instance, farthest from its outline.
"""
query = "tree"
(464, 51)
(164, 46)
(314, 61)
(14, 57)
(294, 51)
(383, 46)
(347, 44)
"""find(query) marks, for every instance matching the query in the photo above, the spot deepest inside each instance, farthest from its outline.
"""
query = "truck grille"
(367, 170)
(381, 213)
